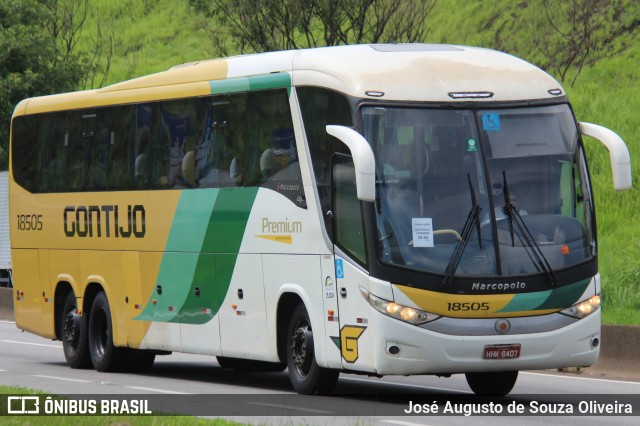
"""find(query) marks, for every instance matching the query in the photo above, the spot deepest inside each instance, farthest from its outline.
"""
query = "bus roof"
(400, 72)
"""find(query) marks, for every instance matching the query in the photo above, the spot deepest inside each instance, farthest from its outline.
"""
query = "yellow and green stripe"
(496, 305)
(200, 255)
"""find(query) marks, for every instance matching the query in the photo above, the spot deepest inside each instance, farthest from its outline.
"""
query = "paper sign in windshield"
(422, 231)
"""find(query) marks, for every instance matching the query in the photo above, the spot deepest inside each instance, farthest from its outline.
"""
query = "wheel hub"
(72, 328)
(302, 349)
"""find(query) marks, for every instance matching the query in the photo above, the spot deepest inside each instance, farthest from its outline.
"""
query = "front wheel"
(306, 376)
(492, 383)
(104, 355)
(73, 333)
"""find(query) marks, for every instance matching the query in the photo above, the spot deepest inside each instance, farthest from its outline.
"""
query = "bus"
(385, 209)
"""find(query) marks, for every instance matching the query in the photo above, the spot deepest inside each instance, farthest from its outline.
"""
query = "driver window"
(347, 210)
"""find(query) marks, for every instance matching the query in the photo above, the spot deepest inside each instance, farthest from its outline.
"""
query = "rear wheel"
(73, 333)
(306, 376)
(492, 383)
(104, 355)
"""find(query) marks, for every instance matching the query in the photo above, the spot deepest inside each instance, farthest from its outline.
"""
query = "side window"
(78, 149)
(94, 125)
(174, 142)
(347, 210)
(321, 107)
(271, 154)
(91, 152)
(221, 140)
(25, 141)
(229, 140)
(54, 149)
(136, 153)
(115, 131)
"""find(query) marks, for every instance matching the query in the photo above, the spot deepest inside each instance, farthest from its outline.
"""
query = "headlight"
(397, 311)
(584, 308)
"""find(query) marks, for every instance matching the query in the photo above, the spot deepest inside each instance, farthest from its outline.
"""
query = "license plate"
(502, 351)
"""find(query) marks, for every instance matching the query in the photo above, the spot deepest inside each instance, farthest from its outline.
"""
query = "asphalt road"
(33, 362)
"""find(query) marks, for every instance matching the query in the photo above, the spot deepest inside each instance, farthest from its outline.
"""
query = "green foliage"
(32, 62)
(266, 25)
(609, 94)
(559, 36)
(147, 37)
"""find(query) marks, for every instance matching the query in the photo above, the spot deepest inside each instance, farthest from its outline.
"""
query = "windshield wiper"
(461, 245)
(524, 235)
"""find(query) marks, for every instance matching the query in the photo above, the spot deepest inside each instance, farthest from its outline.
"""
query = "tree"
(265, 25)
(581, 33)
(38, 55)
(65, 22)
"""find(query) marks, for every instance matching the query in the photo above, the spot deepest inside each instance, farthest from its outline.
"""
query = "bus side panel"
(48, 292)
(243, 320)
(158, 299)
(330, 296)
(356, 340)
(199, 324)
(163, 336)
(34, 303)
(130, 278)
(140, 272)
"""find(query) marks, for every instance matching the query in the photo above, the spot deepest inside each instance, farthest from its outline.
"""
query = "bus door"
(350, 265)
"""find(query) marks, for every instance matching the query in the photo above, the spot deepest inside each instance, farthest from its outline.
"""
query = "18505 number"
(30, 222)
(468, 306)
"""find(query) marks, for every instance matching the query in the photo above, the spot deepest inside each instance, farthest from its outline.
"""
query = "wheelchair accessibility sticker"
(339, 268)
(491, 122)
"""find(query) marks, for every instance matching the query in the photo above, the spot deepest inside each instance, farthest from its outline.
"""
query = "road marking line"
(157, 390)
(7, 322)
(400, 422)
(581, 378)
(29, 343)
(3, 371)
(310, 410)
(66, 379)
(403, 384)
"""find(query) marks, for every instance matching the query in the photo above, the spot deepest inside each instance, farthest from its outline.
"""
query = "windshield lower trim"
(483, 284)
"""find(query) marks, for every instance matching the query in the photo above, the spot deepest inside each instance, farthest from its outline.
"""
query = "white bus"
(381, 209)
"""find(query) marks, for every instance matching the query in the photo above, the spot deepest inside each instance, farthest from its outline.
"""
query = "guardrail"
(618, 354)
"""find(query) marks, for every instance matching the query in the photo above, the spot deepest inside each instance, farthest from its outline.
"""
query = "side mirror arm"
(618, 153)
(363, 160)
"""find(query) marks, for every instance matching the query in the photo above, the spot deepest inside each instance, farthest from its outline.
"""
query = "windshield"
(467, 193)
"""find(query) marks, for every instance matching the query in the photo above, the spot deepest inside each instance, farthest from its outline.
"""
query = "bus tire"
(305, 375)
(73, 333)
(492, 383)
(104, 355)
